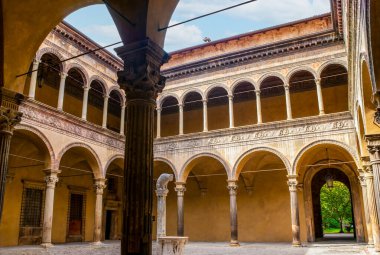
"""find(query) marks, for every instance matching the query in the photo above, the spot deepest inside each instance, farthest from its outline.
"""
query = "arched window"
(169, 117)
(245, 112)
(73, 99)
(217, 107)
(193, 113)
(273, 104)
(95, 102)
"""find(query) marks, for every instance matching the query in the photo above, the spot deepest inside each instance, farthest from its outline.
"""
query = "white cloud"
(182, 36)
(104, 34)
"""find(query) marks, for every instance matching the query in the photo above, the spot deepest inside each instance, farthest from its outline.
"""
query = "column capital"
(141, 78)
(51, 180)
(180, 188)
(292, 183)
(100, 185)
(362, 180)
(258, 92)
(204, 101)
(106, 97)
(86, 88)
(373, 148)
(63, 75)
(286, 86)
(232, 187)
(318, 81)
(9, 118)
(159, 109)
(180, 105)
(230, 97)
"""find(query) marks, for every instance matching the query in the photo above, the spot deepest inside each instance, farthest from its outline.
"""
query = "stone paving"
(195, 248)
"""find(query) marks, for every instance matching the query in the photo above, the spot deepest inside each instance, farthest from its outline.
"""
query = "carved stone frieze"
(44, 116)
(285, 130)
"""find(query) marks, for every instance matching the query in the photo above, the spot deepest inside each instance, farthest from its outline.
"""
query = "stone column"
(258, 107)
(33, 79)
(205, 117)
(51, 179)
(161, 192)
(141, 59)
(372, 207)
(122, 119)
(320, 97)
(61, 92)
(85, 102)
(232, 187)
(374, 150)
(158, 135)
(231, 110)
(105, 111)
(294, 211)
(99, 187)
(180, 119)
(363, 184)
(288, 102)
(9, 118)
(180, 188)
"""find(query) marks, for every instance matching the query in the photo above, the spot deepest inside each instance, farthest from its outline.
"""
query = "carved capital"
(99, 185)
(232, 187)
(258, 92)
(362, 180)
(373, 148)
(180, 188)
(51, 180)
(292, 183)
(141, 78)
(9, 118)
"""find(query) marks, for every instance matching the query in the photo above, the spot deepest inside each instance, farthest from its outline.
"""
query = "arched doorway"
(316, 158)
(332, 205)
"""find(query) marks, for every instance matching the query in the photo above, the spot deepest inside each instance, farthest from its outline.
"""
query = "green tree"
(336, 204)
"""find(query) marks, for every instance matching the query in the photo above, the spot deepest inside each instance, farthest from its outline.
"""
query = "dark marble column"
(232, 187)
(9, 117)
(141, 81)
(180, 188)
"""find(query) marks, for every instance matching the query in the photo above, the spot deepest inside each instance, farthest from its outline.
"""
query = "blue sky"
(96, 22)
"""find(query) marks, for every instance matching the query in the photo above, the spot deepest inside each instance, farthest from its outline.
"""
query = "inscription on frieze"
(250, 134)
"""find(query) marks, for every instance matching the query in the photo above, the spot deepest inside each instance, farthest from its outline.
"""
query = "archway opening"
(112, 200)
(334, 82)
(206, 194)
(369, 107)
(303, 94)
(22, 218)
(245, 111)
(273, 104)
(169, 117)
(217, 108)
(48, 80)
(73, 99)
(95, 102)
(332, 206)
(115, 103)
(192, 113)
(74, 211)
(263, 198)
(313, 167)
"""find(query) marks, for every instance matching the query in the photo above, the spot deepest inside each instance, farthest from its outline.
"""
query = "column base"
(46, 245)
(97, 243)
(234, 243)
(296, 244)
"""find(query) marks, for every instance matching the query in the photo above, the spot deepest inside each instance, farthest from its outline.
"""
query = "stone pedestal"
(141, 81)
(171, 245)
(162, 191)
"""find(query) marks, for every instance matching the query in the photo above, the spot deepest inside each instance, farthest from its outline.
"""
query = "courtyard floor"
(195, 248)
